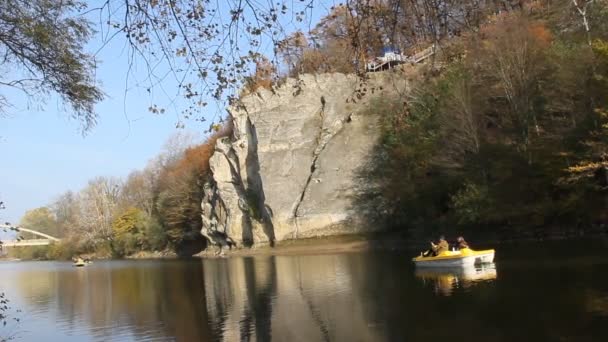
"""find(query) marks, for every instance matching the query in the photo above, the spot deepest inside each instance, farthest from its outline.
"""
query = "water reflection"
(286, 298)
(347, 297)
(115, 301)
(308, 298)
(446, 279)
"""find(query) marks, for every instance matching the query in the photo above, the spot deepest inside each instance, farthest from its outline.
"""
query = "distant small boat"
(81, 263)
(463, 257)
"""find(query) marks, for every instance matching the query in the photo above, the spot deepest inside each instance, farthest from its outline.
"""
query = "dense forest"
(504, 131)
(506, 134)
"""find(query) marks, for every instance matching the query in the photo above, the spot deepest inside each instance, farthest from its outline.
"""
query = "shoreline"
(310, 246)
(377, 242)
(344, 244)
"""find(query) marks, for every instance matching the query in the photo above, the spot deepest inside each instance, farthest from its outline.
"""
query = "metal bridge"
(27, 242)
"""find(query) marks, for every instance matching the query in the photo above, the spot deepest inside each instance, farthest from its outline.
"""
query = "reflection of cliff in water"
(301, 298)
(343, 297)
(307, 298)
(446, 280)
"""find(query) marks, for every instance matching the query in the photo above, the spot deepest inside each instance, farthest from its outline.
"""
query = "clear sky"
(44, 153)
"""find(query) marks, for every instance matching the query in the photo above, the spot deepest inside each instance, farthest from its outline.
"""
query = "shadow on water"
(345, 297)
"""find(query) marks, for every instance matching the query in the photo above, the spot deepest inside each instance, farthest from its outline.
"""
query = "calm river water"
(534, 292)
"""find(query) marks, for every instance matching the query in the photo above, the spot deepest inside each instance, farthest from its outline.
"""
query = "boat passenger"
(461, 243)
(441, 246)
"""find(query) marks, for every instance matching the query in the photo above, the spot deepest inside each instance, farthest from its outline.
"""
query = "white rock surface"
(290, 169)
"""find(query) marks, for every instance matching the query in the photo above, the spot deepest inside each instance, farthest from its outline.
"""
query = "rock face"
(291, 168)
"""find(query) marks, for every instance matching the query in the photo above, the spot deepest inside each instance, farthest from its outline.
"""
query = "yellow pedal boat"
(463, 257)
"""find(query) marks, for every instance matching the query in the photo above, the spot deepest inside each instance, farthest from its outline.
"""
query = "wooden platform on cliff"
(392, 59)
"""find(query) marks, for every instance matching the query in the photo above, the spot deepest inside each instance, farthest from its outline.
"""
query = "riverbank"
(321, 245)
(388, 241)
(164, 254)
(398, 241)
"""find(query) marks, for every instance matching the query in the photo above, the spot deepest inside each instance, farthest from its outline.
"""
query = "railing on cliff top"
(391, 59)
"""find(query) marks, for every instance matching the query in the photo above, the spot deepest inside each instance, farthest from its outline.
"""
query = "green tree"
(594, 162)
(66, 209)
(128, 232)
(135, 231)
(41, 219)
(42, 44)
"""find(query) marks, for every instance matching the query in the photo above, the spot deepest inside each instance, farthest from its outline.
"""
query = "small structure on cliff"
(392, 57)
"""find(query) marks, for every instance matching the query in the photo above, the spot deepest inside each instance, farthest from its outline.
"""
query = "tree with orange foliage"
(181, 191)
(511, 59)
(291, 50)
(265, 73)
(342, 41)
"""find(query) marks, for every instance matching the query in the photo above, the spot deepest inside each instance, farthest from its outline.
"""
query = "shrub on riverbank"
(29, 253)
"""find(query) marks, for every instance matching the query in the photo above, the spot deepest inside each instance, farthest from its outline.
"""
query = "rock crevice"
(284, 147)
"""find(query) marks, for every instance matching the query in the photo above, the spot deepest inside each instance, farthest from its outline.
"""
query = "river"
(554, 291)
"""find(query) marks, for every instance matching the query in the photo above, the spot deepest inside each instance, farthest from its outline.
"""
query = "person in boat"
(441, 246)
(461, 243)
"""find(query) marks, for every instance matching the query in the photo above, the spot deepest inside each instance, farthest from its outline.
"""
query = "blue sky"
(44, 153)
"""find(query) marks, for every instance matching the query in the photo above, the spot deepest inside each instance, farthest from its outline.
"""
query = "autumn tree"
(138, 191)
(263, 77)
(512, 58)
(98, 202)
(342, 41)
(181, 193)
(173, 150)
(291, 50)
(509, 129)
(204, 48)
